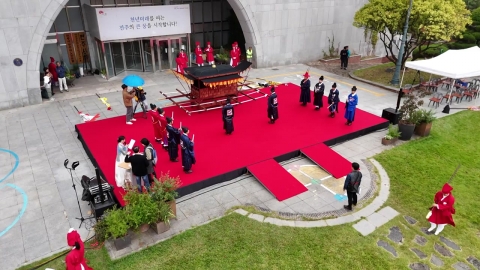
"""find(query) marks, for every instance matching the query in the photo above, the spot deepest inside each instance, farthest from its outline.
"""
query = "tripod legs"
(81, 218)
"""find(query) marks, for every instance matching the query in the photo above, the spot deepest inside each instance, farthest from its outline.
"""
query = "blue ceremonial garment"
(173, 141)
(351, 103)
(188, 156)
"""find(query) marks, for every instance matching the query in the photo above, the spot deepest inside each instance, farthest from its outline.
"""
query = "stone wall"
(286, 32)
(281, 32)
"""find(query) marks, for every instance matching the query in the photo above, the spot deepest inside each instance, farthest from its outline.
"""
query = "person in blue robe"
(227, 116)
(272, 106)
(305, 89)
(351, 105)
(173, 135)
(188, 155)
(333, 100)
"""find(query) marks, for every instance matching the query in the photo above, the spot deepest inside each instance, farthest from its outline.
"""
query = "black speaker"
(392, 116)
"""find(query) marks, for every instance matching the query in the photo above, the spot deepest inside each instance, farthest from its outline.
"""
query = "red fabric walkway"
(328, 159)
(276, 179)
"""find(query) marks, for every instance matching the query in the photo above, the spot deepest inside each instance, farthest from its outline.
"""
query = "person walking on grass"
(352, 186)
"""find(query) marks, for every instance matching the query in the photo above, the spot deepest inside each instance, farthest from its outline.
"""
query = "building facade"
(281, 32)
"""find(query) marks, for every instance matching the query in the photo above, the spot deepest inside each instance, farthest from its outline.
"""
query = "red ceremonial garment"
(235, 57)
(163, 126)
(209, 52)
(157, 128)
(75, 259)
(198, 54)
(443, 214)
(179, 61)
(184, 58)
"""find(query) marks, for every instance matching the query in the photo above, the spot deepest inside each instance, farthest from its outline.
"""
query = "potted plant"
(424, 119)
(222, 56)
(165, 190)
(412, 102)
(164, 214)
(70, 77)
(391, 136)
(117, 228)
(104, 73)
(141, 210)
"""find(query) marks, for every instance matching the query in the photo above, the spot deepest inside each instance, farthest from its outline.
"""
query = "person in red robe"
(198, 54)
(184, 58)
(209, 52)
(163, 127)
(52, 68)
(442, 210)
(234, 55)
(180, 64)
(75, 259)
(157, 128)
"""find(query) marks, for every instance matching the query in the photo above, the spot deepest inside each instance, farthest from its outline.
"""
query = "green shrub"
(458, 46)
(476, 35)
(468, 39)
(432, 51)
(476, 16)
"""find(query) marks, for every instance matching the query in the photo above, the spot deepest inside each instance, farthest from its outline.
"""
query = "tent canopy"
(454, 64)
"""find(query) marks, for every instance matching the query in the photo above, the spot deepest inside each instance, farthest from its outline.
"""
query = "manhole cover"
(275, 69)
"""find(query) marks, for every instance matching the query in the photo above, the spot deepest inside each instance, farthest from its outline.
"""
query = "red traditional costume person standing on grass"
(442, 210)
(209, 52)
(75, 259)
(235, 55)
(198, 54)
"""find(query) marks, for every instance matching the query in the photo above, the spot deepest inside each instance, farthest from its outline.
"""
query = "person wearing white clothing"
(62, 80)
(121, 174)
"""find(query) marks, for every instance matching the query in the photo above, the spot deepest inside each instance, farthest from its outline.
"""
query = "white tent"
(453, 64)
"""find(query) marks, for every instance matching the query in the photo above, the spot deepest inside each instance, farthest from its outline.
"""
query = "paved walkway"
(38, 203)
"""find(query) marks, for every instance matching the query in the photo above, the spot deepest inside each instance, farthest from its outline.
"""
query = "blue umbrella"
(133, 81)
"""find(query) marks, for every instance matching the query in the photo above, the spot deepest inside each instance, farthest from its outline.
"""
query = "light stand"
(398, 66)
(75, 165)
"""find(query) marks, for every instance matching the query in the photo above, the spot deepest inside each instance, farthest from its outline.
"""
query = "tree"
(472, 4)
(476, 16)
(430, 21)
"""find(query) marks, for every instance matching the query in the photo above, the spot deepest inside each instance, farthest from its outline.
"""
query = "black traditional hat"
(334, 85)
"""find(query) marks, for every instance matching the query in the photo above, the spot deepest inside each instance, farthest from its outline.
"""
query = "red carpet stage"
(223, 157)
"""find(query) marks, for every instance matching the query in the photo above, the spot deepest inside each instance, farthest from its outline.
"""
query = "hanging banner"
(81, 46)
(70, 48)
(139, 22)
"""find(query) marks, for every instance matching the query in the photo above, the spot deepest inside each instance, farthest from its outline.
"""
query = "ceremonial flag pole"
(193, 138)
(172, 115)
(104, 101)
(86, 117)
(180, 124)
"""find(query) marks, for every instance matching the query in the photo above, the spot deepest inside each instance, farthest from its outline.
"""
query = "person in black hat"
(333, 100)
(272, 106)
(305, 89)
(188, 155)
(227, 116)
(173, 140)
(318, 93)
(351, 105)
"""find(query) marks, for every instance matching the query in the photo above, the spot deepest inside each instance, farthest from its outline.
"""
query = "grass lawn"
(380, 75)
(417, 170)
